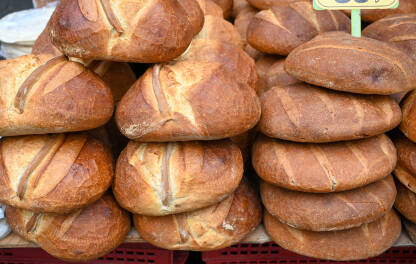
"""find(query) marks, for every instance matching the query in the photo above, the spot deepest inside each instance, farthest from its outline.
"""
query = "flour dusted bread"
(399, 30)
(282, 28)
(327, 167)
(406, 202)
(45, 94)
(111, 30)
(338, 61)
(362, 242)
(218, 226)
(53, 173)
(408, 125)
(332, 211)
(405, 170)
(83, 235)
(306, 113)
(168, 178)
(187, 101)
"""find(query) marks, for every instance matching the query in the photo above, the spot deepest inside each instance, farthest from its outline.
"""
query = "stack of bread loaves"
(324, 161)
(186, 194)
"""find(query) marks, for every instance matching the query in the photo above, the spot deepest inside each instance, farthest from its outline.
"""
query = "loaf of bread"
(399, 30)
(411, 229)
(226, 6)
(338, 61)
(405, 170)
(322, 168)
(111, 30)
(306, 113)
(53, 173)
(195, 14)
(406, 202)
(187, 101)
(329, 211)
(167, 178)
(408, 125)
(83, 235)
(209, 8)
(270, 70)
(43, 44)
(45, 94)
(218, 226)
(282, 28)
(362, 242)
(267, 4)
(241, 23)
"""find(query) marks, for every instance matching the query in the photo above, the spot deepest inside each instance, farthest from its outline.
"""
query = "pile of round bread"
(328, 99)
(180, 175)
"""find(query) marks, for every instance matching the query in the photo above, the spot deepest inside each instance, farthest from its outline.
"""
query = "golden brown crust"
(239, 6)
(195, 14)
(226, 6)
(86, 234)
(282, 28)
(87, 29)
(169, 178)
(405, 202)
(411, 229)
(54, 173)
(362, 242)
(372, 67)
(405, 170)
(267, 4)
(332, 167)
(187, 101)
(241, 23)
(373, 15)
(209, 8)
(45, 94)
(408, 125)
(399, 30)
(329, 212)
(305, 113)
(43, 44)
(218, 226)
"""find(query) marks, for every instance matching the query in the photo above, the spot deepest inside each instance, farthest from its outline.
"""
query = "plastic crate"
(125, 254)
(270, 253)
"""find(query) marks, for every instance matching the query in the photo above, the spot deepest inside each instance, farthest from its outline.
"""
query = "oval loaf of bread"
(406, 202)
(408, 125)
(405, 170)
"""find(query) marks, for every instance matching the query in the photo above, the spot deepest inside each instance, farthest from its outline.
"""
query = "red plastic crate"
(125, 254)
(270, 253)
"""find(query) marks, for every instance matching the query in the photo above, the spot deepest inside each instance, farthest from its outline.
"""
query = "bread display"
(329, 212)
(306, 113)
(167, 178)
(42, 94)
(271, 73)
(406, 202)
(162, 28)
(218, 226)
(405, 170)
(282, 28)
(53, 173)
(408, 125)
(399, 30)
(411, 229)
(187, 101)
(331, 167)
(83, 235)
(362, 242)
(373, 67)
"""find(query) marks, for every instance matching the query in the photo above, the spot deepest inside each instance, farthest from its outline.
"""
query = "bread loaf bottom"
(218, 226)
(362, 242)
(84, 235)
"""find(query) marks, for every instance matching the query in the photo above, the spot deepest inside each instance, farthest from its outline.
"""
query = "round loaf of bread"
(306, 113)
(338, 61)
(399, 30)
(405, 170)
(83, 235)
(406, 202)
(111, 30)
(53, 173)
(322, 168)
(187, 101)
(362, 242)
(218, 226)
(282, 28)
(195, 14)
(267, 4)
(271, 73)
(329, 211)
(168, 178)
(408, 125)
(42, 94)
(411, 229)
(373, 15)
(209, 8)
